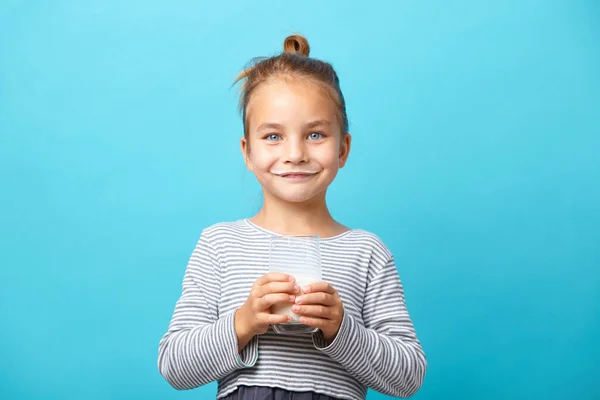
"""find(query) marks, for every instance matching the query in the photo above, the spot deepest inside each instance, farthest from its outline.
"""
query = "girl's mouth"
(296, 175)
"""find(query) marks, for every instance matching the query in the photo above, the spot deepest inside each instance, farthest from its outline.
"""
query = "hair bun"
(296, 44)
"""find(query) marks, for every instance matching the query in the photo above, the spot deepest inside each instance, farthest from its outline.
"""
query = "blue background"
(476, 158)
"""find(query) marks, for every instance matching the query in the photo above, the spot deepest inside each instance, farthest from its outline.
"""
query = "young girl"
(295, 140)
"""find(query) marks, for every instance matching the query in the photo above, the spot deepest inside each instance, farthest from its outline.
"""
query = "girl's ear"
(345, 149)
(246, 153)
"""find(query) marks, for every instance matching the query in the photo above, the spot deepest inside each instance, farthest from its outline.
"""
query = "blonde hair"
(293, 62)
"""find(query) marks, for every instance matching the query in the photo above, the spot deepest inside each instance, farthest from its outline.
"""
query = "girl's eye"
(315, 136)
(273, 137)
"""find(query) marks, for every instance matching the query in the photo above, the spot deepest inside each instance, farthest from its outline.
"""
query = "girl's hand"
(321, 307)
(254, 316)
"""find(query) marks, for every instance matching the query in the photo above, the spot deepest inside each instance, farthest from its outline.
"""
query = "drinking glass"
(300, 257)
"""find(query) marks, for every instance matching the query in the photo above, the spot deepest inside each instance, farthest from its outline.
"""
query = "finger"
(323, 298)
(312, 311)
(278, 287)
(314, 322)
(279, 319)
(274, 277)
(267, 318)
(275, 298)
(319, 287)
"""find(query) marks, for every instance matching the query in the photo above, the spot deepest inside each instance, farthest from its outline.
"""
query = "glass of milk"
(300, 257)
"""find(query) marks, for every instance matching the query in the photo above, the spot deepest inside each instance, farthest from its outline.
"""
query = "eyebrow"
(310, 125)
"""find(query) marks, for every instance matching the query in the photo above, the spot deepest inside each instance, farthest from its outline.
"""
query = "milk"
(300, 257)
(286, 308)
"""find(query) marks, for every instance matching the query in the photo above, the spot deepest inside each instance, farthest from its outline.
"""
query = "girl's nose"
(296, 152)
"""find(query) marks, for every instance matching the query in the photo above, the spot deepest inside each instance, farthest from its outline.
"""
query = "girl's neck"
(308, 218)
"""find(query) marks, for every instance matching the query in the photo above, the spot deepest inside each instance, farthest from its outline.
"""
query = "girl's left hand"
(320, 306)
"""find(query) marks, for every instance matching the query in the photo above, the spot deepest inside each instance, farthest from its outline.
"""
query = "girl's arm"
(384, 354)
(200, 347)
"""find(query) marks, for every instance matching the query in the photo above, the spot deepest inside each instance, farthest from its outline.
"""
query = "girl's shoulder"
(226, 228)
(363, 239)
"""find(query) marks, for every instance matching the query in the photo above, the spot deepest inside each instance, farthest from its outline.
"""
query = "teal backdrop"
(476, 159)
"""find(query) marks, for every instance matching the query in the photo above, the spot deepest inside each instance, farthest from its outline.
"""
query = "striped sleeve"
(384, 354)
(200, 346)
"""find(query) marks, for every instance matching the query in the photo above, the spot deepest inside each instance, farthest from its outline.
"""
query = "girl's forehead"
(302, 91)
(289, 101)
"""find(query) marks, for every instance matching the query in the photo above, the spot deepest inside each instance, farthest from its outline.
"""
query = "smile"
(296, 175)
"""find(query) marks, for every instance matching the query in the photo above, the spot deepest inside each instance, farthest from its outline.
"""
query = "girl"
(295, 140)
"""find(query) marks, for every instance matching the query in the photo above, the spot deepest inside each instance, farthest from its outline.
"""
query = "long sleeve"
(384, 354)
(200, 346)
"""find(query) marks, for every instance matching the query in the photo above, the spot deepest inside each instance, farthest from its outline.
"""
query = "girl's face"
(294, 144)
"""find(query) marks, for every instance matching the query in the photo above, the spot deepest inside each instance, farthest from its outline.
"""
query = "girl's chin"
(301, 197)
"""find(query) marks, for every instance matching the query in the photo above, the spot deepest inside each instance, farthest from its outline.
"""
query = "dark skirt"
(267, 393)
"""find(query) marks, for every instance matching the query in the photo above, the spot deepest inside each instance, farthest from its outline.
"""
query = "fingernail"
(296, 288)
(298, 300)
(292, 279)
(295, 308)
(292, 298)
(306, 289)
(289, 318)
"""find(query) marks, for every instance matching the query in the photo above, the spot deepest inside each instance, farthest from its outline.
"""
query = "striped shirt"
(376, 346)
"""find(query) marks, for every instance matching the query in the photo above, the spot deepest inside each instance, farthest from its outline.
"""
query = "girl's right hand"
(254, 316)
